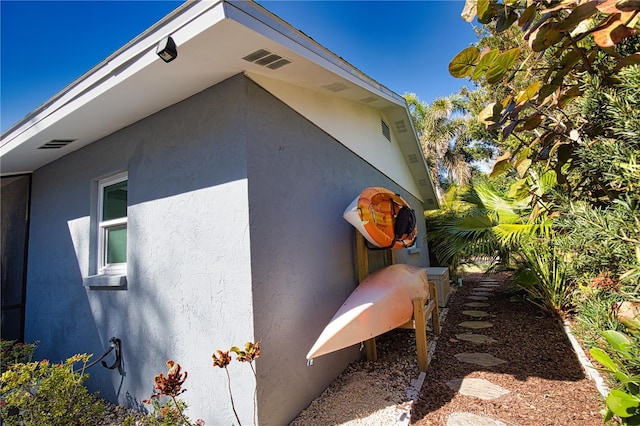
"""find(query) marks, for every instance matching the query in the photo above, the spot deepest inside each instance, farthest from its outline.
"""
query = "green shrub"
(622, 352)
(541, 273)
(13, 352)
(594, 315)
(42, 393)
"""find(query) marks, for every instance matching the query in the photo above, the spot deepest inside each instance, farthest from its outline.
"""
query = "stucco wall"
(235, 233)
(300, 181)
(189, 275)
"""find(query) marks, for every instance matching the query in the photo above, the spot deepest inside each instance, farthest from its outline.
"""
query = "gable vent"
(56, 144)
(422, 182)
(400, 126)
(385, 130)
(335, 87)
(266, 59)
(413, 158)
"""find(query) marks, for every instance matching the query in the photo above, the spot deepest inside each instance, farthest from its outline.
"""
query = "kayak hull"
(382, 302)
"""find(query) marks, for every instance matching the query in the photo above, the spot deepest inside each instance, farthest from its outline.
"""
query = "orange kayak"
(384, 218)
(382, 302)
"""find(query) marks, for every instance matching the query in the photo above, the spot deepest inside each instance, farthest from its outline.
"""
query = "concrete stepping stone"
(480, 292)
(479, 358)
(475, 338)
(475, 324)
(489, 286)
(488, 281)
(470, 419)
(478, 297)
(477, 304)
(476, 314)
(479, 388)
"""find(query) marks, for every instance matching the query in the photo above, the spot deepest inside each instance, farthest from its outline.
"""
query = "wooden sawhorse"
(422, 308)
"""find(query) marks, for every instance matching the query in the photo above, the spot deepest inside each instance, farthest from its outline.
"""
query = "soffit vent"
(422, 182)
(413, 158)
(400, 126)
(385, 130)
(335, 87)
(266, 59)
(56, 143)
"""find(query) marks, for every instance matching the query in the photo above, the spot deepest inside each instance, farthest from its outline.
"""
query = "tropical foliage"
(557, 94)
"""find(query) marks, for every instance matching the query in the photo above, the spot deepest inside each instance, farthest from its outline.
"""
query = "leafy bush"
(594, 314)
(542, 273)
(42, 393)
(601, 241)
(13, 352)
(623, 351)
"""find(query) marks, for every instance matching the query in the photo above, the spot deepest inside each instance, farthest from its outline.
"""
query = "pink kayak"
(382, 302)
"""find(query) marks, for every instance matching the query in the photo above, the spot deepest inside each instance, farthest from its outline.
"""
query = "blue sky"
(406, 46)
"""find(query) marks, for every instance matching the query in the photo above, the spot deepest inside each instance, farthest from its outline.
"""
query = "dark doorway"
(15, 192)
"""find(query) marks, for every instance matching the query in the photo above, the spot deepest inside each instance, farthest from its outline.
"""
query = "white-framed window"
(112, 224)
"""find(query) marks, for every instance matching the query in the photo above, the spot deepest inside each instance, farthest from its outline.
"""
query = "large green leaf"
(528, 93)
(485, 62)
(485, 12)
(622, 403)
(603, 358)
(502, 165)
(464, 62)
(490, 114)
(577, 15)
(506, 18)
(545, 36)
(619, 341)
(502, 64)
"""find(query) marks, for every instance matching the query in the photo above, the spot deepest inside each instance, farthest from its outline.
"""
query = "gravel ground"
(546, 382)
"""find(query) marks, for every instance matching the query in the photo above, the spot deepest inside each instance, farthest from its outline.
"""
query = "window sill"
(105, 281)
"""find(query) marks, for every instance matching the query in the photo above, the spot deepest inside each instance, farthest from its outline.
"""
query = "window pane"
(117, 244)
(114, 201)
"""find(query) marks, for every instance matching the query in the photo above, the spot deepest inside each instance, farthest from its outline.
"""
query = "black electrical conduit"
(114, 343)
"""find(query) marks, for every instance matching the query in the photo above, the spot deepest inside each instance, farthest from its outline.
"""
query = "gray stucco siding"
(300, 182)
(235, 234)
(189, 274)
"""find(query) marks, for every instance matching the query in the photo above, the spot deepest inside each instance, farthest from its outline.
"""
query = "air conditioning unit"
(440, 276)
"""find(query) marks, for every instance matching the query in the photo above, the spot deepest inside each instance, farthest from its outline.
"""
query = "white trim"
(102, 266)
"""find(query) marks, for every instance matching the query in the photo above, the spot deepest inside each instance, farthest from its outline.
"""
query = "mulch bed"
(546, 382)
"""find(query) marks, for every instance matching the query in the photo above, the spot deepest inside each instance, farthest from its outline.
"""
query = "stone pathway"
(473, 387)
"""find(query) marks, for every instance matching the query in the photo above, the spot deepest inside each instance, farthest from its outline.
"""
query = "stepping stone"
(479, 358)
(475, 324)
(488, 281)
(477, 297)
(477, 305)
(480, 388)
(475, 338)
(476, 314)
(481, 292)
(489, 285)
(469, 419)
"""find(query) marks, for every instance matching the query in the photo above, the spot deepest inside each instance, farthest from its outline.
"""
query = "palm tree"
(443, 139)
(481, 221)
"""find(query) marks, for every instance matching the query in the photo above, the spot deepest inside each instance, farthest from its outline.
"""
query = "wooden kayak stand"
(422, 308)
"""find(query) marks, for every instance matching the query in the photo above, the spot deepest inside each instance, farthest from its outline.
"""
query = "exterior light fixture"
(167, 49)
